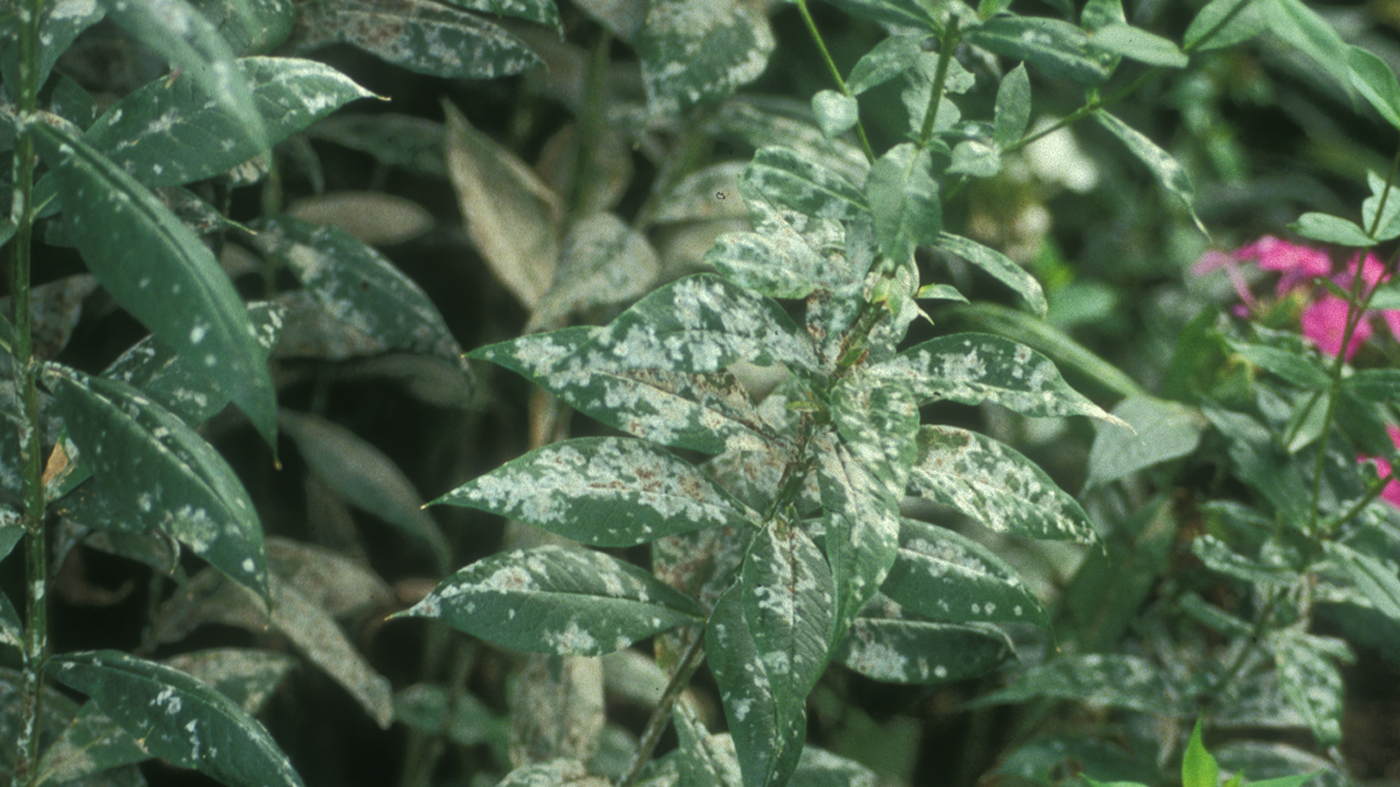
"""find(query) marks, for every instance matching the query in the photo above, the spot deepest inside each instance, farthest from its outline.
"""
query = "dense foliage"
(809, 287)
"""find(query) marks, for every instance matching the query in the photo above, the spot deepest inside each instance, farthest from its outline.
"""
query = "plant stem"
(660, 717)
(26, 372)
(946, 44)
(835, 74)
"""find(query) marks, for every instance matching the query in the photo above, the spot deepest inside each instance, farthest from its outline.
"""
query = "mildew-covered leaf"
(948, 577)
(702, 564)
(1267, 569)
(249, 26)
(707, 193)
(708, 413)
(55, 309)
(762, 122)
(768, 743)
(374, 218)
(552, 599)
(542, 11)
(998, 266)
(1052, 45)
(329, 580)
(423, 37)
(885, 61)
(877, 421)
(1138, 44)
(366, 478)
(1157, 431)
(916, 651)
(512, 217)
(177, 718)
(1168, 172)
(703, 324)
(786, 177)
(1310, 680)
(556, 709)
(903, 197)
(163, 475)
(168, 133)
(360, 287)
(463, 719)
(561, 772)
(1013, 107)
(702, 758)
(11, 629)
(787, 593)
(1376, 578)
(603, 491)
(61, 22)
(158, 270)
(862, 529)
(995, 485)
(902, 13)
(698, 51)
(836, 112)
(972, 368)
(1097, 679)
(603, 262)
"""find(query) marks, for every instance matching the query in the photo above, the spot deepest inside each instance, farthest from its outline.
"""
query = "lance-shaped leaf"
(1013, 107)
(177, 718)
(786, 590)
(702, 758)
(557, 600)
(787, 178)
(698, 51)
(542, 11)
(1310, 681)
(1376, 82)
(603, 262)
(1377, 580)
(1168, 172)
(1315, 37)
(164, 476)
(915, 651)
(1052, 45)
(59, 26)
(1157, 431)
(701, 564)
(158, 270)
(704, 324)
(862, 530)
(768, 743)
(1223, 23)
(903, 13)
(1097, 679)
(995, 485)
(904, 200)
(428, 38)
(360, 287)
(603, 491)
(948, 577)
(167, 133)
(877, 421)
(972, 368)
(1138, 44)
(249, 26)
(885, 61)
(998, 266)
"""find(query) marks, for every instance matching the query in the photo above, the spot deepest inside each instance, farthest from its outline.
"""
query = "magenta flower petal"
(1324, 323)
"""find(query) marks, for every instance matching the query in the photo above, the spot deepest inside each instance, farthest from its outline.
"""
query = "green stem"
(656, 725)
(946, 43)
(835, 74)
(26, 373)
(1092, 106)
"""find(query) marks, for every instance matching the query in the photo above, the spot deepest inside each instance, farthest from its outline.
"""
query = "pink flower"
(1324, 323)
(1296, 263)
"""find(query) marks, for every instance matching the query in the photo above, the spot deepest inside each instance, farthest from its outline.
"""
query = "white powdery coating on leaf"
(572, 640)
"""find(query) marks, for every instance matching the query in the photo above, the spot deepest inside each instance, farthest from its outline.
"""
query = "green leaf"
(177, 32)
(1331, 229)
(998, 266)
(1290, 366)
(62, 21)
(1375, 579)
(975, 158)
(877, 422)
(699, 51)
(768, 743)
(915, 651)
(603, 262)
(158, 270)
(862, 530)
(885, 61)
(1170, 174)
(560, 772)
(700, 759)
(1310, 681)
(903, 197)
(1388, 225)
(249, 26)
(1224, 23)
(786, 590)
(557, 600)
(703, 324)
(1376, 82)
(948, 577)
(360, 287)
(1138, 44)
(170, 132)
(787, 178)
(972, 368)
(995, 485)
(541, 11)
(1301, 27)
(460, 717)
(177, 718)
(1374, 385)
(428, 38)
(602, 491)
(1154, 431)
(1013, 107)
(162, 475)
(709, 413)
(1096, 679)
(902, 13)
(836, 113)
(1054, 46)
(1198, 767)
(1219, 557)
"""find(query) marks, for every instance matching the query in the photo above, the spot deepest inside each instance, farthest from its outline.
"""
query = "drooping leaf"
(556, 709)
(1304, 29)
(885, 61)
(948, 577)
(163, 475)
(1223, 23)
(177, 718)
(1311, 681)
(1097, 679)
(1157, 431)
(168, 133)
(787, 178)
(603, 491)
(556, 600)
(1373, 78)
(904, 201)
(1168, 172)
(767, 742)
(699, 51)
(360, 287)
(1013, 107)
(761, 123)
(972, 368)
(421, 36)
(1054, 46)
(998, 266)
(914, 651)
(602, 262)
(1377, 580)
(995, 485)
(862, 529)
(464, 719)
(158, 270)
